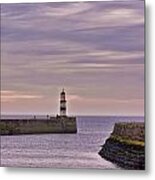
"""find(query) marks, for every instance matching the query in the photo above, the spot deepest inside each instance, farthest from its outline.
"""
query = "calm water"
(62, 150)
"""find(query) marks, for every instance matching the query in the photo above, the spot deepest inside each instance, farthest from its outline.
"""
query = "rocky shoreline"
(125, 146)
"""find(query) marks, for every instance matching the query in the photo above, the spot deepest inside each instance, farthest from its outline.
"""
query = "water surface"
(62, 150)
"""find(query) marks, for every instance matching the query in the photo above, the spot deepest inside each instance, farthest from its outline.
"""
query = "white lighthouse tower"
(62, 103)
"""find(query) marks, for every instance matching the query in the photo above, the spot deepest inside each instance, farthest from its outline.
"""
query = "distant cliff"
(38, 126)
(126, 146)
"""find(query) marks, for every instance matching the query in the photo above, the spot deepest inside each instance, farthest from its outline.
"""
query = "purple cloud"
(95, 46)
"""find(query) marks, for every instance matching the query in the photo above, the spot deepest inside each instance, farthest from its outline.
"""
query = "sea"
(63, 150)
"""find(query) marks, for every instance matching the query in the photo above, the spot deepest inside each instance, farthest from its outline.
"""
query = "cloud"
(97, 45)
(9, 96)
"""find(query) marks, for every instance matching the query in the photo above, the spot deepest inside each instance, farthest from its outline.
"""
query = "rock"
(123, 149)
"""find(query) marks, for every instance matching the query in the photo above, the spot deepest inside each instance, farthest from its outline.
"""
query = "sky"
(95, 50)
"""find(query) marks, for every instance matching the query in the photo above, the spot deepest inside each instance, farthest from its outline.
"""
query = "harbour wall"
(38, 126)
(126, 146)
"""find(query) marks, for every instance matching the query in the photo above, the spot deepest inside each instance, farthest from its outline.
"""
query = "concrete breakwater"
(38, 126)
(126, 146)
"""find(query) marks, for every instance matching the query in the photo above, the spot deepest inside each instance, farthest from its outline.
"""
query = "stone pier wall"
(132, 131)
(38, 126)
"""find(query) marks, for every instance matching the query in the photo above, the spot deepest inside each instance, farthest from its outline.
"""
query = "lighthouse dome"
(63, 92)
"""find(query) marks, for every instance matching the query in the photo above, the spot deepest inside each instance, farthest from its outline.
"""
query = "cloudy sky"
(95, 50)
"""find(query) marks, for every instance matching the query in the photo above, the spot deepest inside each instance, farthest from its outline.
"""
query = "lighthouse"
(63, 103)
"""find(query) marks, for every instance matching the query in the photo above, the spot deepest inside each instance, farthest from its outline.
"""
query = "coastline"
(126, 146)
